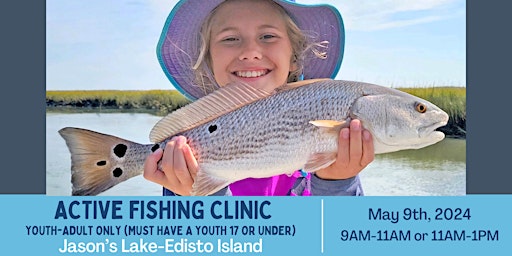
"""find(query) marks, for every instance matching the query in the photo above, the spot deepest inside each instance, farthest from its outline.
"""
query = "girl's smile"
(252, 74)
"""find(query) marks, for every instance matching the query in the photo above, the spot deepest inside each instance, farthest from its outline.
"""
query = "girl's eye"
(268, 36)
(230, 39)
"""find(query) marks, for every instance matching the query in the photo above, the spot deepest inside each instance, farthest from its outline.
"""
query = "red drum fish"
(240, 132)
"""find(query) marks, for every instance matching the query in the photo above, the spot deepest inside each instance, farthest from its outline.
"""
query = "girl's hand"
(178, 169)
(355, 152)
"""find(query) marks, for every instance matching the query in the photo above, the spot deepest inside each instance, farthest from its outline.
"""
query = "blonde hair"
(300, 41)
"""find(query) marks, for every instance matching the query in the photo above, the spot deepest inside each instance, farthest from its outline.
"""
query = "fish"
(239, 132)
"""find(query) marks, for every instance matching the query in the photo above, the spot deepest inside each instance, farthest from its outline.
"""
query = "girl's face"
(249, 43)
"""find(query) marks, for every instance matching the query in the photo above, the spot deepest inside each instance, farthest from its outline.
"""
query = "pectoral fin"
(331, 125)
(206, 184)
(319, 161)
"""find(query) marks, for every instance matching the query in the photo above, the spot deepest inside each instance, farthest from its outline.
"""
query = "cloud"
(386, 14)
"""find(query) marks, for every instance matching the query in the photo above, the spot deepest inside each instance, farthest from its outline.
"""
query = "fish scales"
(265, 135)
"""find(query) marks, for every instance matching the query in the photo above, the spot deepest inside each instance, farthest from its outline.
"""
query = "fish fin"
(96, 160)
(300, 84)
(223, 100)
(331, 125)
(319, 161)
(206, 184)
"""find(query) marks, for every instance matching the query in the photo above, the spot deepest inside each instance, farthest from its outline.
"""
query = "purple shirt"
(296, 184)
(273, 186)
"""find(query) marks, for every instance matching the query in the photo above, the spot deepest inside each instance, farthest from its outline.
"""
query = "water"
(436, 170)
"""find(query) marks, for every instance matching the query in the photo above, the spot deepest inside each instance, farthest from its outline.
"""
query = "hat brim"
(178, 47)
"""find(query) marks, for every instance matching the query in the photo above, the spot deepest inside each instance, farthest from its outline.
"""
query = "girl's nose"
(251, 51)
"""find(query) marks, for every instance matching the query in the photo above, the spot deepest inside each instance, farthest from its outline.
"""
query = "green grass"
(450, 99)
(158, 100)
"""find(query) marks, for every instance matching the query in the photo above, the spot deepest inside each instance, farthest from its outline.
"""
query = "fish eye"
(420, 107)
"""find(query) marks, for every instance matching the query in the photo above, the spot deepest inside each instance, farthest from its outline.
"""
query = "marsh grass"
(451, 99)
(161, 101)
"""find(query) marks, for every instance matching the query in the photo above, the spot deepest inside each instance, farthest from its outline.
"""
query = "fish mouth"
(431, 131)
(251, 73)
(426, 135)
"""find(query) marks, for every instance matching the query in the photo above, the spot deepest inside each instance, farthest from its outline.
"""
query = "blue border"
(465, 225)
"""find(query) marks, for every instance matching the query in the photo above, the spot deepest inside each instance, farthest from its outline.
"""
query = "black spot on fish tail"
(155, 147)
(120, 150)
(101, 163)
(212, 128)
(117, 172)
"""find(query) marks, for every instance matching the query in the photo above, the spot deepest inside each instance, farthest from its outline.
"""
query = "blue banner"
(48, 225)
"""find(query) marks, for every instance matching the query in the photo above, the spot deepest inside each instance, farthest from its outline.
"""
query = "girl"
(265, 44)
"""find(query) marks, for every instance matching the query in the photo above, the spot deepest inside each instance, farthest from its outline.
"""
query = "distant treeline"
(160, 102)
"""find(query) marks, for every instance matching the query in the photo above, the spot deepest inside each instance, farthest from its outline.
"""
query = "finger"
(191, 161)
(368, 149)
(343, 147)
(151, 171)
(180, 165)
(167, 164)
(356, 145)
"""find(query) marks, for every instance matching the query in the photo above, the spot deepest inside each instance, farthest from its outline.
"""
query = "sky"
(111, 44)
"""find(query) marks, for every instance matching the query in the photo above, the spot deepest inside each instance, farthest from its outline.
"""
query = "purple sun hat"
(178, 47)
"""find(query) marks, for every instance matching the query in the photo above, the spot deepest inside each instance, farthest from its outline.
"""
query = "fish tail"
(101, 161)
